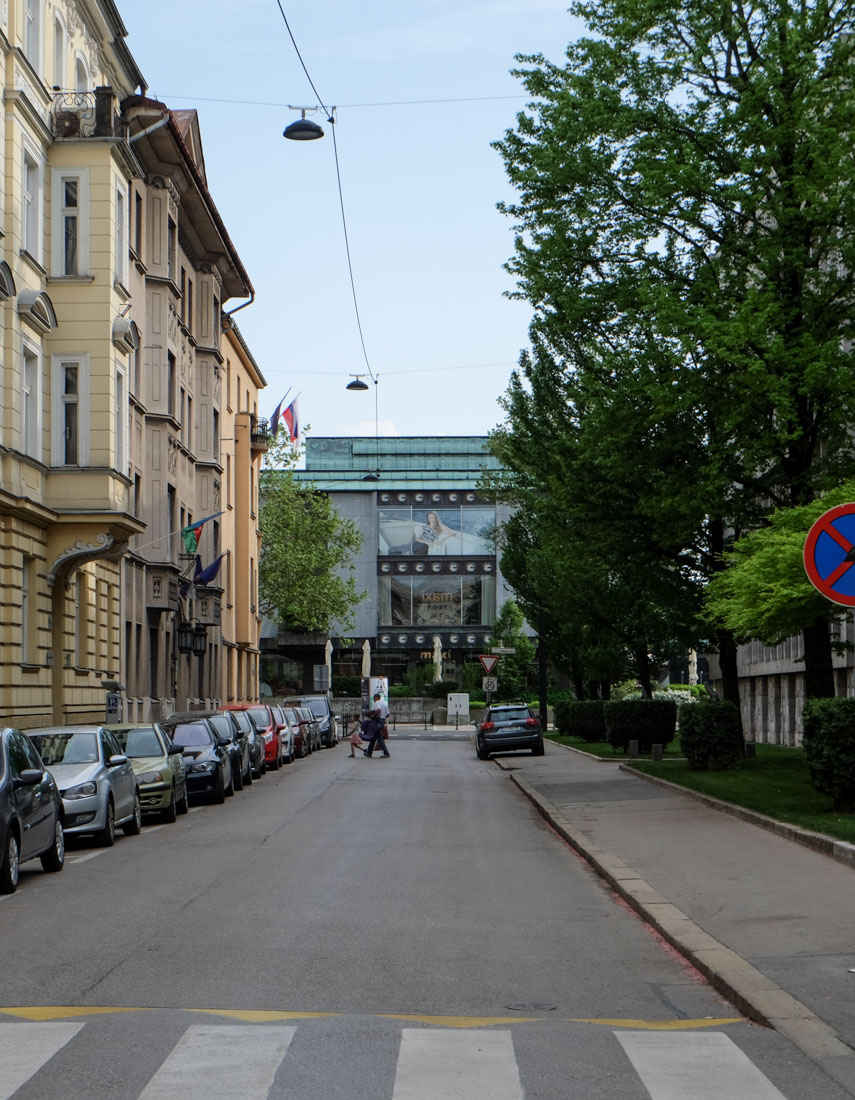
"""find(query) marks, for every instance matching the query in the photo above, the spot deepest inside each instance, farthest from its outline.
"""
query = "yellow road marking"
(662, 1025)
(260, 1016)
(58, 1012)
(460, 1021)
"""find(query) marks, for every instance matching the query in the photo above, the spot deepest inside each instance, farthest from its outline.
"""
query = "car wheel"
(230, 790)
(274, 765)
(247, 779)
(106, 837)
(237, 779)
(182, 807)
(170, 814)
(54, 858)
(538, 749)
(219, 795)
(134, 826)
(481, 752)
(10, 866)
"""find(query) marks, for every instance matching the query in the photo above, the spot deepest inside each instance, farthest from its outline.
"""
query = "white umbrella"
(366, 659)
(328, 662)
(437, 657)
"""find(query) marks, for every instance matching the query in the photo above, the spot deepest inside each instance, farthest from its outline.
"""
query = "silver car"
(95, 778)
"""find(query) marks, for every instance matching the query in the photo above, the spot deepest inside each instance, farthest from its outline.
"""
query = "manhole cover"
(533, 1006)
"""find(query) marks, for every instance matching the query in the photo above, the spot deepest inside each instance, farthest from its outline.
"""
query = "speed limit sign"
(490, 683)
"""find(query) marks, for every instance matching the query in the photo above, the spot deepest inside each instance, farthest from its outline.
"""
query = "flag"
(292, 420)
(205, 576)
(274, 420)
(193, 533)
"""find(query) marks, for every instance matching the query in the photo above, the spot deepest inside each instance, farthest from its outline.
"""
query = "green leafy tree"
(305, 576)
(515, 670)
(686, 236)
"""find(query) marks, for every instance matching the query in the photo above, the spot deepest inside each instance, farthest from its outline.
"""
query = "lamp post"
(303, 129)
(358, 384)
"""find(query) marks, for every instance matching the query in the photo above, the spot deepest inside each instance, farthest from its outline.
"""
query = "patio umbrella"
(366, 658)
(437, 657)
(328, 662)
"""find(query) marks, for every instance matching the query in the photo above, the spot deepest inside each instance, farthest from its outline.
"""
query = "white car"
(95, 779)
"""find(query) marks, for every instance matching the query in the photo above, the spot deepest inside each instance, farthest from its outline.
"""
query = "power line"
(331, 120)
(347, 106)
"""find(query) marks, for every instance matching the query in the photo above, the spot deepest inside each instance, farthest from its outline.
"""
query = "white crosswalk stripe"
(703, 1066)
(220, 1062)
(457, 1065)
(225, 1061)
(24, 1049)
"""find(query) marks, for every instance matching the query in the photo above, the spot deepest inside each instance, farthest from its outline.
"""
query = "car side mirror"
(175, 750)
(28, 777)
(117, 760)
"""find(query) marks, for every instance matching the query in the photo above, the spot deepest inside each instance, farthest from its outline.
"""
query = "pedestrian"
(377, 722)
(356, 741)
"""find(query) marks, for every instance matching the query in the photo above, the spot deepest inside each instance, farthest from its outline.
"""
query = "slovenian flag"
(292, 420)
(274, 420)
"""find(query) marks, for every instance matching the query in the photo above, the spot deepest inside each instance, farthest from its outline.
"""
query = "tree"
(305, 574)
(684, 199)
(514, 670)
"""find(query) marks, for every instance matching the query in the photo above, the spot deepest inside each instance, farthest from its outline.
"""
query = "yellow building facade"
(66, 514)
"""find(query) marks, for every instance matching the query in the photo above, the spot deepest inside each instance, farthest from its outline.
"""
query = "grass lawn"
(603, 748)
(774, 783)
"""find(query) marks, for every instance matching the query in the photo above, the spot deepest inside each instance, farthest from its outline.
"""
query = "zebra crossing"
(226, 1061)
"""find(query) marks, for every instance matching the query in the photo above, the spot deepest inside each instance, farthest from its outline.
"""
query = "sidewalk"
(769, 922)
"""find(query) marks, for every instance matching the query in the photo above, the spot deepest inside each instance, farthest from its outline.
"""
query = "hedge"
(647, 721)
(829, 744)
(583, 718)
(711, 736)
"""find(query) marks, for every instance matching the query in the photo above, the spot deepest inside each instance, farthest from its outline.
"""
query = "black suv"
(320, 707)
(506, 728)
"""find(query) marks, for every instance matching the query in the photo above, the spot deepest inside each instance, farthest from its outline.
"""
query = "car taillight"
(489, 726)
(531, 721)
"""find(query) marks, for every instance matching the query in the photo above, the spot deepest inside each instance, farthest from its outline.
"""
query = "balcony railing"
(87, 115)
(259, 433)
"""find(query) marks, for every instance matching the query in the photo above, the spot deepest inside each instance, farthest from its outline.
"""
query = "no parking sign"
(829, 554)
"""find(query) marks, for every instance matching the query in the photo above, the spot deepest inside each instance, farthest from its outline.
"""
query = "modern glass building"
(429, 564)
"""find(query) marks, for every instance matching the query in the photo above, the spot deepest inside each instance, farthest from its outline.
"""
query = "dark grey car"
(508, 728)
(30, 810)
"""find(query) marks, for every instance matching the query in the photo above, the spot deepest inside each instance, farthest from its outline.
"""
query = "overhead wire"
(331, 119)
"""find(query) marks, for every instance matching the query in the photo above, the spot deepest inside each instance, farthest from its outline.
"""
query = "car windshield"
(192, 735)
(66, 748)
(142, 741)
(259, 716)
(223, 726)
(510, 714)
(318, 707)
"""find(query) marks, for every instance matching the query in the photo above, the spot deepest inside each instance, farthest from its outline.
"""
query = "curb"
(755, 995)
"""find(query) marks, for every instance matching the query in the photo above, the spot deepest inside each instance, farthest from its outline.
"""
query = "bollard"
(633, 749)
(656, 751)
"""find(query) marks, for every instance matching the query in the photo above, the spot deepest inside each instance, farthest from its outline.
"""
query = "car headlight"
(202, 769)
(151, 777)
(83, 790)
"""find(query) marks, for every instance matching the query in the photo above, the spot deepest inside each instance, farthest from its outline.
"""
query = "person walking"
(378, 717)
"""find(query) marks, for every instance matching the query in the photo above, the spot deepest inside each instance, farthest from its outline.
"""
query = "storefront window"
(436, 601)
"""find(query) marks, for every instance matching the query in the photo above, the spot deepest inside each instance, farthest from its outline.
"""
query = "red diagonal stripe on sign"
(845, 544)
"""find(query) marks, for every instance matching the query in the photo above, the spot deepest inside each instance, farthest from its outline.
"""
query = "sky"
(421, 89)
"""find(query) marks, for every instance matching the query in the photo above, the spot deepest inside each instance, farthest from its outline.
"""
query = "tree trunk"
(605, 689)
(726, 647)
(642, 664)
(819, 669)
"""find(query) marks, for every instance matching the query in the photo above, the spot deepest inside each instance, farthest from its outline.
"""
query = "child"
(355, 741)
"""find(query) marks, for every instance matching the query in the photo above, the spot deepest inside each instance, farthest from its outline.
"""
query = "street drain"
(533, 1006)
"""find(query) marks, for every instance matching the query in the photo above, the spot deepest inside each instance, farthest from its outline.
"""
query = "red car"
(267, 727)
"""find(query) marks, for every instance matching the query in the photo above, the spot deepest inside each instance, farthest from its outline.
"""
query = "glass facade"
(436, 601)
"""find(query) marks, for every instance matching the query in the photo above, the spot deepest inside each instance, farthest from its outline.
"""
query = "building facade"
(66, 513)
(429, 565)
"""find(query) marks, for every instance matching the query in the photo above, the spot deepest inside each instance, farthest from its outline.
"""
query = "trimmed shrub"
(647, 721)
(829, 744)
(585, 718)
(348, 686)
(711, 736)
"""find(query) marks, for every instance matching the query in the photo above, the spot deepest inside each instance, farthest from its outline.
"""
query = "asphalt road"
(404, 929)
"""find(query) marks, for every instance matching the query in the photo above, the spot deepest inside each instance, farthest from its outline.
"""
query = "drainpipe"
(149, 130)
(229, 312)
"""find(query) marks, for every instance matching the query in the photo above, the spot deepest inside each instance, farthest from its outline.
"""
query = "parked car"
(238, 747)
(95, 778)
(30, 810)
(299, 735)
(207, 758)
(262, 715)
(506, 728)
(158, 766)
(322, 710)
(254, 737)
(313, 727)
(286, 734)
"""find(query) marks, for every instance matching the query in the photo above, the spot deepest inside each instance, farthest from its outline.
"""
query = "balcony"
(87, 115)
(259, 434)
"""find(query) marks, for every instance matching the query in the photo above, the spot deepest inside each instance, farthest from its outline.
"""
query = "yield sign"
(829, 554)
(490, 662)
